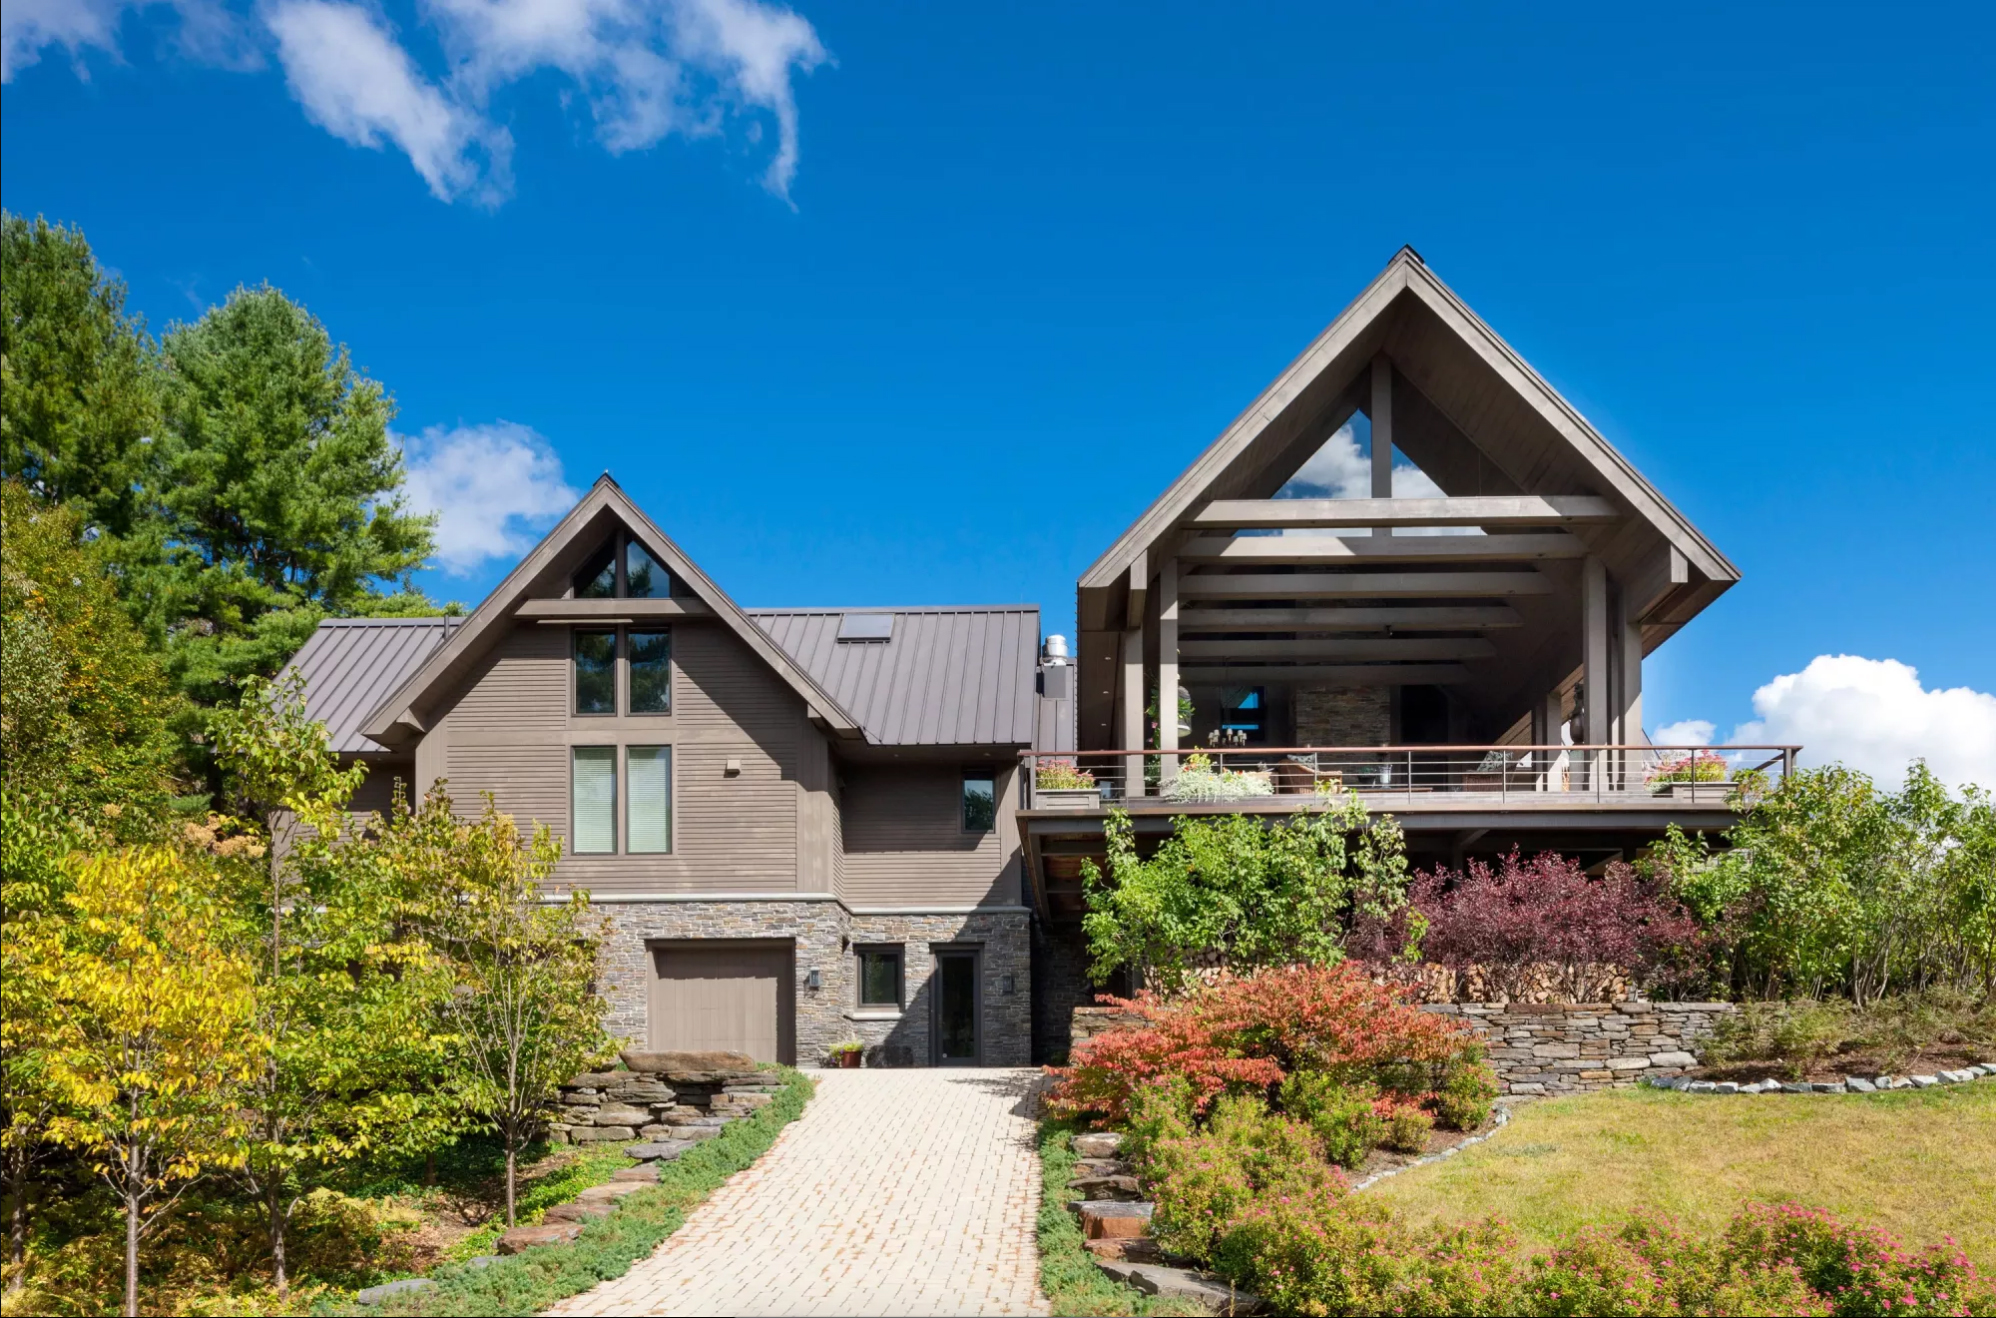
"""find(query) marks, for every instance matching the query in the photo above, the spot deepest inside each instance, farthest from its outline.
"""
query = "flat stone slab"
(389, 1289)
(645, 1175)
(669, 1063)
(1214, 1294)
(608, 1193)
(1105, 1187)
(523, 1238)
(1125, 1249)
(577, 1212)
(602, 1134)
(1103, 1219)
(657, 1150)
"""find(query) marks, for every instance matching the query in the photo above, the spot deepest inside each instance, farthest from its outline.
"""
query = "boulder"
(598, 1079)
(1925, 1081)
(602, 1134)
(1672, 1061)
(696, 1133)
(618, 1114)
(657, 1150)
(1859, 1085)
(1097, 1143)
(388, 1289)
(688, 1063)
(523, 1238)
(577, 1212)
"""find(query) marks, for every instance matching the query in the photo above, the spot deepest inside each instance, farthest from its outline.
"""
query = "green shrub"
(1407, 1130)
(1649, 1267)
(1341, 1116)
(1465, 1096)
(1204, 1182)
(1863, 1271)
(1161, 1109)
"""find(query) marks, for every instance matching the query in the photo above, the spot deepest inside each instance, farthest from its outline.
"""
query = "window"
(880, 977)
(651, 672)
(593, 785)
(648, 830)
(980, 802)
(1244, 715)
(595, 672)
(623, 569)
(644, 579)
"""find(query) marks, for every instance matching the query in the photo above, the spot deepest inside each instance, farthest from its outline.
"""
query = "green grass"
(1919, 1163)
(529, 1282)
(1068, 1273)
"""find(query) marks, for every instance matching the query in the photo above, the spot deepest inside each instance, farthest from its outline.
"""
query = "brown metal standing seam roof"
(947, 677)
(350, 664)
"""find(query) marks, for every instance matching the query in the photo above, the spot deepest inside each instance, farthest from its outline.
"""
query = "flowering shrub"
(1528, 916)
(1648, 1267)
(1201, 1184)
(1697, 767)
(1861, 1271)
(1199, 779)
(1063, 775)
(1248, 1034)
(1341, 1115)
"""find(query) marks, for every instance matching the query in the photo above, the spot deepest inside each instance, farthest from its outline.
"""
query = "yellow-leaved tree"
(148, 1031)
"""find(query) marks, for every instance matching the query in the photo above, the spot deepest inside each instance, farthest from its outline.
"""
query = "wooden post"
(1546, 723)
(1629, 691)
(1382, 433)
(1167, 668)
(1594, 661)
(1131, 731)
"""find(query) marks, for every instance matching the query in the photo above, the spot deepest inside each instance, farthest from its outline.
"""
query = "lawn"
(1921, 1164)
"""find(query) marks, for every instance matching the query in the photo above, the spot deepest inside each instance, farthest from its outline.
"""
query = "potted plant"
(846, 1056)
(1694, 776)
(1062, 785)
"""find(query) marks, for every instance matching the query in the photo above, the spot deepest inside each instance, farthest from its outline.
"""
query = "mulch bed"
(1440, 1141)
(1865, 1062)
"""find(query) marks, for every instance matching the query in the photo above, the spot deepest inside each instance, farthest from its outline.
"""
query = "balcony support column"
(1596, 678)
(1167, 668)
(1629, 690)
(1130, 729)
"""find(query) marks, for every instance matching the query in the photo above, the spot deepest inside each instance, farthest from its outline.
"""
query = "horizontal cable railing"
(1290, 775)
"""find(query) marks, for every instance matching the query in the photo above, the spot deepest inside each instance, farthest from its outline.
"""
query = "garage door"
(736, 996)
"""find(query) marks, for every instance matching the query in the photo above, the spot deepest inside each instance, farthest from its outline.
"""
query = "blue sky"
(900, 303)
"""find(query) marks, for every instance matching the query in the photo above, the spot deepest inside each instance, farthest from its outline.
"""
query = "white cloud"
(1686, 732)
(1874, 715)
(357, 83)
(646, 69)
(492, 487)
(1339, 469)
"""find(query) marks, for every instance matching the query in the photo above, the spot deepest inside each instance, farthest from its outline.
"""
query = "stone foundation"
(1558, 1048)
(824, 934)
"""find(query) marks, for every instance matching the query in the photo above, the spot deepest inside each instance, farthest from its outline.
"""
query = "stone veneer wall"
(824, 933)
(1344, 716)
(1061, 986)
(1553, 1048)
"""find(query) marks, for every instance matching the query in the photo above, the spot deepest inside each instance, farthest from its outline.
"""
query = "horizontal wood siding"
(511, 731)
(904, 846)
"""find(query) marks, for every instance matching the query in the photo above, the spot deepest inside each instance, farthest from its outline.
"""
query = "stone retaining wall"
(1547, 1048)
(679, 1097)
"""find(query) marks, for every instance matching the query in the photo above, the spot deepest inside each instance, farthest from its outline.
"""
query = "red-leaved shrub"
(1527, 917)
(1243, 1035)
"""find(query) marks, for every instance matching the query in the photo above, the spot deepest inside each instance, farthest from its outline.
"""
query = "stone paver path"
(897, 1192)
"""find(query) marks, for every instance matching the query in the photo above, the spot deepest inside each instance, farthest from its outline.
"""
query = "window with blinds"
(649, 828)
(593, 814)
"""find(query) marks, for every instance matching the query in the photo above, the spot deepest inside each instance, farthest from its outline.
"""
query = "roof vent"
(1056, 649)
(866, 626)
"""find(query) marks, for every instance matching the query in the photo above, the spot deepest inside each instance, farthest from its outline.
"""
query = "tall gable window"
(595, 672)
(623, 569)
(980, 801)
(651, 672)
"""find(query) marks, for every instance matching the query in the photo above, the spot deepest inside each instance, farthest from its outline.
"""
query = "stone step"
(607, 1193)
(1107, 1187)
(1105, 1218)
(1211, 1293)
(1097, 1143)
(645, 1175)
(657, 1150)
(577, 1212)
(1103, 1167)
(602, 1134)
(1125, 1249)
(523, 1238)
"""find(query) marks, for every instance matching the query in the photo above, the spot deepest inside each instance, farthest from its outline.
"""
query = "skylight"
(866, 626)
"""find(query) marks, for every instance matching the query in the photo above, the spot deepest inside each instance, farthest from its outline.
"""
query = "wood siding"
(905, 846)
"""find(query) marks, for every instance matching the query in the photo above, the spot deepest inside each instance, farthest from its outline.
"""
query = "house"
(797, 823)
(1409, 569)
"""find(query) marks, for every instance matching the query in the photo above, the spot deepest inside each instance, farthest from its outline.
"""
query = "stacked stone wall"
(665, 1099)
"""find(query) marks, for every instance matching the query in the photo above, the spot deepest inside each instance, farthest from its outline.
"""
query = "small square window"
(980, 802)
(880, 977)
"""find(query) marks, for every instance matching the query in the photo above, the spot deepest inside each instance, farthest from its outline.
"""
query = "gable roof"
(348, 662)
(1376, 321)
(942, 677)
(576, 534)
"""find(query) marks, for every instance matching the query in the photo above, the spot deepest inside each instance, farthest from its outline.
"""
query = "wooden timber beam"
(1396, 549)
(597, 610)
(1507, 510)
(1394, 647)
(1434, 617)
(1364, 585)
(1340, 674)
(1139, 591)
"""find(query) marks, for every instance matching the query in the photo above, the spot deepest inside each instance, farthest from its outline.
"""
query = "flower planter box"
(1067, 798)
(1714, 792)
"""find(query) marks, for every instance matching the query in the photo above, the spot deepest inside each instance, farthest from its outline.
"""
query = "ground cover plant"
(1939, 1029)
(606, 1248)
(1068, 1274)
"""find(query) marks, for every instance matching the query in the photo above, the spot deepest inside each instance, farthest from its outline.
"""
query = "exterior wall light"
(1007, 985)
(814, 980)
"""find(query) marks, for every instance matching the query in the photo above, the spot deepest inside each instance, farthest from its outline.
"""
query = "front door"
(956, 1007)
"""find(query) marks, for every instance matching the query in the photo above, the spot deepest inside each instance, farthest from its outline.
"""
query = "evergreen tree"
(79, 378)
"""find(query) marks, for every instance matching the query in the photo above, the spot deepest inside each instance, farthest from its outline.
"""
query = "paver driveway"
(897, 1192)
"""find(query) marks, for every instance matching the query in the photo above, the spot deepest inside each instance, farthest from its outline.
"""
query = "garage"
(724, 994)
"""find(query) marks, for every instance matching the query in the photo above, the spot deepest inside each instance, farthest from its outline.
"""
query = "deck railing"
(1413, 775)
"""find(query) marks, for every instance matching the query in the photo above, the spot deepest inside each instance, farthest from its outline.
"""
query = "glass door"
(956, 1007)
